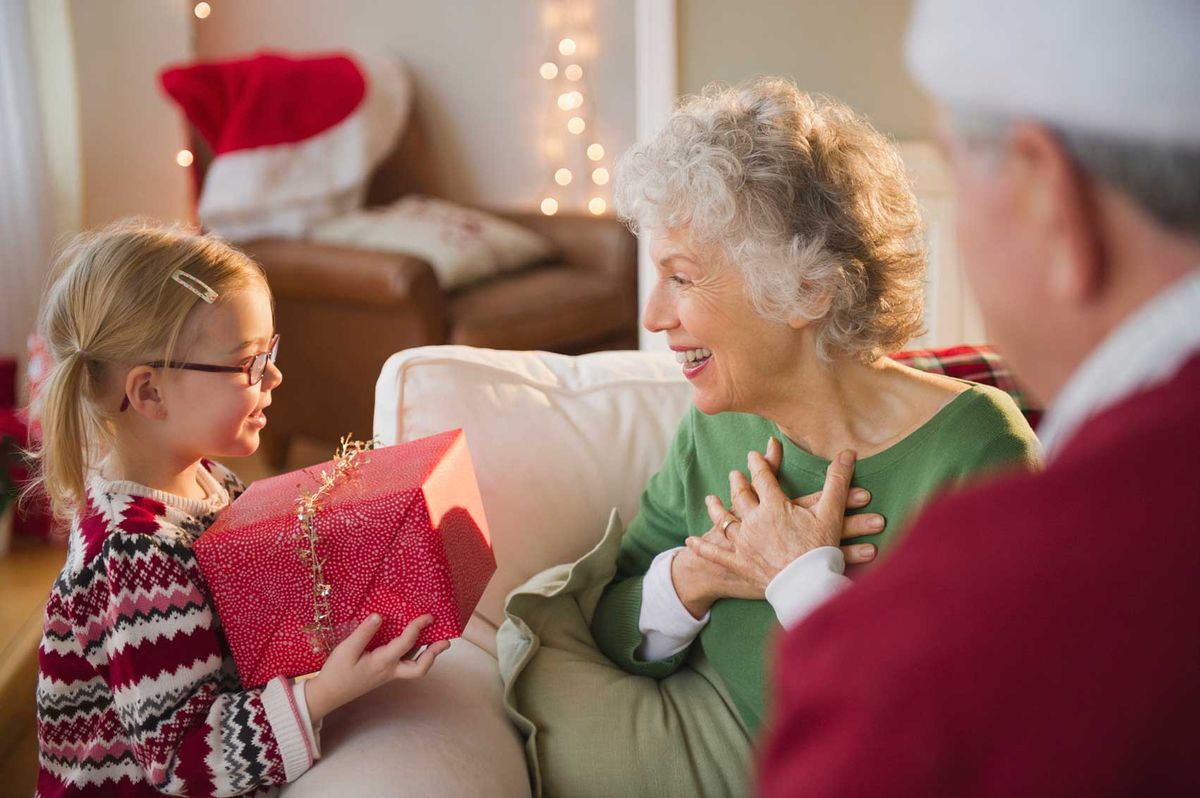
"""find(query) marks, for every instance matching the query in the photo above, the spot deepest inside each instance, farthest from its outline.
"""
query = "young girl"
(164, 355)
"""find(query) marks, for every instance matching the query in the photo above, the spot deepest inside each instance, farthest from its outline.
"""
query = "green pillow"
(590, 728)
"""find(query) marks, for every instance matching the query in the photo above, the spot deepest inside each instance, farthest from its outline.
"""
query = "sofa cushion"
(445, 734)
(555, 306)
(686, 724)
(557, 441)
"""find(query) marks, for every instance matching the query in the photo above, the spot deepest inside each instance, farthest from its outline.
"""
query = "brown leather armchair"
(342, 312)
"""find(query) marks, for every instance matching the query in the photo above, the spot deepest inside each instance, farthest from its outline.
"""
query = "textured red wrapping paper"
(403, 536)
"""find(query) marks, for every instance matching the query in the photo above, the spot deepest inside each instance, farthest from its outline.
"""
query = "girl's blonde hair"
(113, 302)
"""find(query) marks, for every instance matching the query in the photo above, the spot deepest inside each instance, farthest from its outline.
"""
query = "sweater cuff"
(287, 724)
(806, 583)
(615, 629)
(313, 733)
(666, 625)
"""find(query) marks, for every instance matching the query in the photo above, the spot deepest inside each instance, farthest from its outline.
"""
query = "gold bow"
(346, 459)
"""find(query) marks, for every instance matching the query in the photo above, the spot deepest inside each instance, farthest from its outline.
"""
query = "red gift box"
(401, 533)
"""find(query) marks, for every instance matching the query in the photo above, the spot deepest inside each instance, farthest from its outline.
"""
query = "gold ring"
(733, 519)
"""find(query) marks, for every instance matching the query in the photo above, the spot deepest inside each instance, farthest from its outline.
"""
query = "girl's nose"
(272, 376)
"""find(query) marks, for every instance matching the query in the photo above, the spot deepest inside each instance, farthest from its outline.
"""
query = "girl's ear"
(142, 391)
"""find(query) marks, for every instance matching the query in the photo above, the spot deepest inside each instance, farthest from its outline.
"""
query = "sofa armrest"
(600, 244)
(309, 270)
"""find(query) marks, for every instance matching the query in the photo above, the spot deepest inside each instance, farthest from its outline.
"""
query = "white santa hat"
(1129, 68)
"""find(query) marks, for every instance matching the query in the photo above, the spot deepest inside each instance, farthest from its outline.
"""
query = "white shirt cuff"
(806, 583)
(666, 625)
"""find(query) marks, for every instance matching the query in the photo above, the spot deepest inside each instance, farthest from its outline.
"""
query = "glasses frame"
(257, 361)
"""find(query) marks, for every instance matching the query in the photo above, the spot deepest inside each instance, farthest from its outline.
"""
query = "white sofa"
(557, 442)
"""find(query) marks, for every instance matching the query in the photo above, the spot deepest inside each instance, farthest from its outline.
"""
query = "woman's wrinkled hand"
(766, 531)
(701, 581)
(351, 671)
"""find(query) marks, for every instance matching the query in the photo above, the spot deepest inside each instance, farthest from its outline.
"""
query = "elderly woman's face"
(732, 356)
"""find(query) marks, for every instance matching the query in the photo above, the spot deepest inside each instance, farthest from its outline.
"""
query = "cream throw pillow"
(593, 730)
(463, 245)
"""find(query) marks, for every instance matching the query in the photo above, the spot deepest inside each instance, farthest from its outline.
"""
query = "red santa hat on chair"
(294, 140)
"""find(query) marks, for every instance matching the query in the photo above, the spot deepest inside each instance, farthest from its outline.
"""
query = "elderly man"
(1040, 634)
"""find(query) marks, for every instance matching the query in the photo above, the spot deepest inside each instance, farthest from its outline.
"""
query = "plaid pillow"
(980, 364)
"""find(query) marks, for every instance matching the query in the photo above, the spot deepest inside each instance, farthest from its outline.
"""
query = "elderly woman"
(789, 261)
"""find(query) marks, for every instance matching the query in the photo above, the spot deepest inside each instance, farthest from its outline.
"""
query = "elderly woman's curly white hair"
(810, 201)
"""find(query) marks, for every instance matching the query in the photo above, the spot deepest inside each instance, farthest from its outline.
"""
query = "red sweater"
(137, 693)
(1035, 636)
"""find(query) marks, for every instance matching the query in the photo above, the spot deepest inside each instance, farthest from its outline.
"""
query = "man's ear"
(142, 391)
(1061, 203)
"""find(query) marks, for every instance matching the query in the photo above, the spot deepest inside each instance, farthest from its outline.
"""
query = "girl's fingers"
(399, 646)
(357, 641)
(411, 669)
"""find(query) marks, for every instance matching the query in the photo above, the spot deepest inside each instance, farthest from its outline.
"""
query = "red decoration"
(266, 99)
(8, 383)
(401, 533)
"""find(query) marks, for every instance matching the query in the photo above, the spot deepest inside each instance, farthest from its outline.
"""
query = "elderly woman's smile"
(734, 358)
(693, 360)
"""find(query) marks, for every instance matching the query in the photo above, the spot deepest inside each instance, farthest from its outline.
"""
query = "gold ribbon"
(346, 459)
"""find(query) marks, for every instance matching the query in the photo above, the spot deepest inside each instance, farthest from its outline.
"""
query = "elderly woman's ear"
(816, 307)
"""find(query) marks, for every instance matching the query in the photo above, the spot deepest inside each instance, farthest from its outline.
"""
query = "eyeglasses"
(253, 367)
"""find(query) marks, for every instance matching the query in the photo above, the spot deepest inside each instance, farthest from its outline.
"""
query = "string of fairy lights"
(576, 157)
(185, 157)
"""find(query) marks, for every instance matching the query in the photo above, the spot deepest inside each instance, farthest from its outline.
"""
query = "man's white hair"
(1161, 178)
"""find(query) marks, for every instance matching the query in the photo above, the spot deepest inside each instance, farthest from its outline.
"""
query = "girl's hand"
(350, 673)
(769, 531)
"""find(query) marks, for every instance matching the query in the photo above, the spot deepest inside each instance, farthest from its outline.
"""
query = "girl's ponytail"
(68, 431)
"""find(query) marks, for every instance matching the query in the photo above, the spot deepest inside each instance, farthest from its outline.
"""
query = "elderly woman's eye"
(675, 279)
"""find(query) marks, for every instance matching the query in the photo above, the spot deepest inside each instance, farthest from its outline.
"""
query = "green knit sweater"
(979, 430)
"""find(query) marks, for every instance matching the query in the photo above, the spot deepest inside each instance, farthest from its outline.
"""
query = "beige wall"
(128, 133)
(849, 49)
(474, 64)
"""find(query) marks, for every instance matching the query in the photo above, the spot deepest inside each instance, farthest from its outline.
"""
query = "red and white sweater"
(137, 694)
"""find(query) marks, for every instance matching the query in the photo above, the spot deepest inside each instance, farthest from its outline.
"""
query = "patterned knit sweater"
(137, 693)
